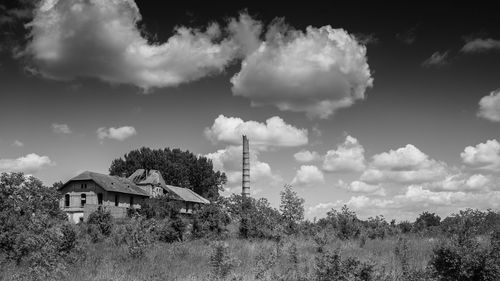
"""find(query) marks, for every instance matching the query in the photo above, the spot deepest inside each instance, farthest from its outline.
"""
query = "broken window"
(99, 198)
(116, 199)
(83, 199)
(66, 200)
(131, 200)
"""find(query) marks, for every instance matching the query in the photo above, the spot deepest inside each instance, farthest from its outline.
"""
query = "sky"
(391, 109)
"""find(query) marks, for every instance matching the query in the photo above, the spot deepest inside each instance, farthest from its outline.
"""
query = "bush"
(210, 220)
(345, 223)
(99, 224)
(221, 262)
(331, 267)
(138, 237)
(465, 259)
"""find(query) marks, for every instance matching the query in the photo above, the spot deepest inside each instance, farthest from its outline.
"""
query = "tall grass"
(192, 260)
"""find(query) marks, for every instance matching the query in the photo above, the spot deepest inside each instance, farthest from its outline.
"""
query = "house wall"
(76, 189)
(76, 211)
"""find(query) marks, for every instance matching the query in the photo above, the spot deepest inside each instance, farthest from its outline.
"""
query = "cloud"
(18, 143)
(101, 39)
(480, 45)
(308, 175)
(274, 132)
(30, 163)
(317, 71)
(305, 156)
(120, 133)
(348, 157)
(409, 36)
(363, 187)
(465, 182)
(405, 165)
(436, 59)
(228, 160)
(367, 38)
(61, 128)
(483, 156)
(489, 106)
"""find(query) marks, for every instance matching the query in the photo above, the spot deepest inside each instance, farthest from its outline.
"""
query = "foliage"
(159, 208)
(345, 223)
(210, 220)
(257, 218)
(471, 222)
(221, 262)
(138, 237)
(33, 230)
(291, 208)
(99, 224)
(331, 267)
(179, 168)
(426, 222)
(464, 258)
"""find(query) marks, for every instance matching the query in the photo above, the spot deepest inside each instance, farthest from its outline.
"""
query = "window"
(116, 199)
(83, 186)
(99, 198)
(131, 201)
(66, 200)
(83, 199)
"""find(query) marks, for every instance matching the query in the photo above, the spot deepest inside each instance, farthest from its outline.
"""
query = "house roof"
(154, 177)
(186, 194)
(110, 183)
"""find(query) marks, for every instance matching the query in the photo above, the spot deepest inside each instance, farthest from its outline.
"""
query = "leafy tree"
(291, 208)
(33, 230)
(210, 220)
(257, 218)
(180, 168)
(346, 223)
(426, 221)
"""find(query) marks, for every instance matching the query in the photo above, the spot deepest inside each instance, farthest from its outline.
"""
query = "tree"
(291, 208)
(180, 168)
(426, 221)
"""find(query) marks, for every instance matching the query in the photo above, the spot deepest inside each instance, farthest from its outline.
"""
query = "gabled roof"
(110, 183)
(186, 194)
(154, 177)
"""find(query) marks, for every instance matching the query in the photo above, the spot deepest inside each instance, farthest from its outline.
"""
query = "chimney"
(245, 181)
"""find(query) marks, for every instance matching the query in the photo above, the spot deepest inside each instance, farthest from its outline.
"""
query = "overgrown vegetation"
(254, 242)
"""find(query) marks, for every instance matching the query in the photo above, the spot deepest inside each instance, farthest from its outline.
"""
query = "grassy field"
(192, 260)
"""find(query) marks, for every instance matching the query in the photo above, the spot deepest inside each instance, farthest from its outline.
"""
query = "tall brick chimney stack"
(245, 181)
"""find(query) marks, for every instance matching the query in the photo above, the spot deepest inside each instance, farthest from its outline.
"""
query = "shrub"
(100, 223)
(292, 209)
(221, 262)
(345, 223)
(138, 237)
(331, 267)
(210, 220)
(463, 258)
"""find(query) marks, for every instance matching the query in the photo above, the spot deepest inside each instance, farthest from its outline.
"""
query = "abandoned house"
(87, 191)
(152, 182)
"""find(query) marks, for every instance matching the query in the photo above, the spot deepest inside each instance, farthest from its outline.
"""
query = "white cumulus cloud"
(404, 165)
(305, 156)
(363, 187)
(317, 71)
(120, 133)
(229, 161)
(101, 39)
(489, 106)
(274, 132)
(348, 157)
(308, 175)
(30, 163)
(61, 128)
(18, 143)
(479, 45)
(483, 156)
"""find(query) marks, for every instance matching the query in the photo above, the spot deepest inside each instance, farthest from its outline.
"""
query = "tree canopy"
(179, 168)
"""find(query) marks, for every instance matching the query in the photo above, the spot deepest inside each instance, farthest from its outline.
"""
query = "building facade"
(88, 191)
